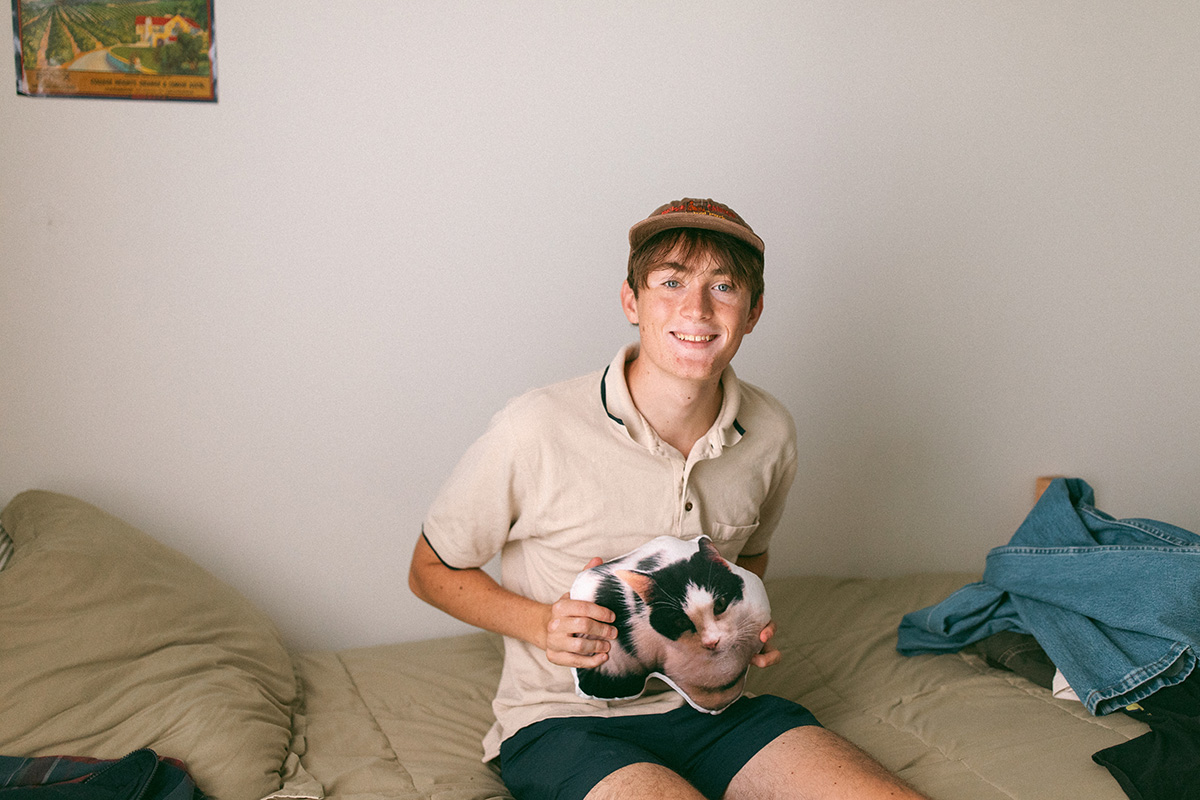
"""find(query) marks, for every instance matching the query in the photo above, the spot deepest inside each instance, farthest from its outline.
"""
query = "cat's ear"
(640, 582)
(710, 552)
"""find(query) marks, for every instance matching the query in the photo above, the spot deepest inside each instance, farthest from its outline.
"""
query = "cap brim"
(643, 230)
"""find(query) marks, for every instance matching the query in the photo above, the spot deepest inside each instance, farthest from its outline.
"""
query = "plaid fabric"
(50, 769)
(6, 547)
(154, 777)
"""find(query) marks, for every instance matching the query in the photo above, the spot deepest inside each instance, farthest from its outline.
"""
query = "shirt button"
(687, 506)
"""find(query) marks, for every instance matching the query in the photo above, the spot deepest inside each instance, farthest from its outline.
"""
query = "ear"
(710, 552)
(755, 313)
(629, 303)
(640, 582)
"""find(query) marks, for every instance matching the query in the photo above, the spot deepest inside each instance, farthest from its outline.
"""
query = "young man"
(666, 440)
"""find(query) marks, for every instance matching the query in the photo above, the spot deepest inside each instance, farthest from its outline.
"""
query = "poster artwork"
(133, 49)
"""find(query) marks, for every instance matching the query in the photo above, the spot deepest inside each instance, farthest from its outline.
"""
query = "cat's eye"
(719, 607)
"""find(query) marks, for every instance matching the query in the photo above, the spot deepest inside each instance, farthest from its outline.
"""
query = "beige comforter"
(405, 721)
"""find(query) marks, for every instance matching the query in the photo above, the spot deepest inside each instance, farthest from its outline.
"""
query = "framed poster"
(133, 49)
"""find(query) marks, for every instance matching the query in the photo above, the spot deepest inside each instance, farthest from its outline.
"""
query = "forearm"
(473, 596)
(574, 633)
(756, 564)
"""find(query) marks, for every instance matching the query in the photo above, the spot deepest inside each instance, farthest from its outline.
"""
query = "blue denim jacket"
(1114, 603)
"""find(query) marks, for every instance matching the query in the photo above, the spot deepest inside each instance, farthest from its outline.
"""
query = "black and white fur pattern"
(683, 614)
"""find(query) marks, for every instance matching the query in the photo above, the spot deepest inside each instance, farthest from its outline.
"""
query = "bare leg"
(640, 781)
(814, 763)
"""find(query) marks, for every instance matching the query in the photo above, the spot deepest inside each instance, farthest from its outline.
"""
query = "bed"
(113, 642)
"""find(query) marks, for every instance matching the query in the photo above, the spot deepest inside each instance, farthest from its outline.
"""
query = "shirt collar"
(618, 405)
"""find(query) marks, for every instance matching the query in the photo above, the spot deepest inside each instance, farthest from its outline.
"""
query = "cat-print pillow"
(684, 614)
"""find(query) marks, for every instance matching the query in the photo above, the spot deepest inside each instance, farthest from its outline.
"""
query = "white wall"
(264, 330)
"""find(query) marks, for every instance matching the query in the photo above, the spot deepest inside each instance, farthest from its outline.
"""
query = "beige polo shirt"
(573, 471)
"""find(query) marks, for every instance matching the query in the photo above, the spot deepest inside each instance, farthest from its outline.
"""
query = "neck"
(680, 412)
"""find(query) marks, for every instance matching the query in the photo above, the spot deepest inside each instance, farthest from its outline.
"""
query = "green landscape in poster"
(140, 49)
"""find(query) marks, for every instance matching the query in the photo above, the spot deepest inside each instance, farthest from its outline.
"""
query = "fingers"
(767, 658)
(578, 633)
(577, 652)
(569, 607)
(769, 655)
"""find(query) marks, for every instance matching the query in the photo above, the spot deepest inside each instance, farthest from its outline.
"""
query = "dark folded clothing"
(1163, 764)
(141, 775)
(1019, 653)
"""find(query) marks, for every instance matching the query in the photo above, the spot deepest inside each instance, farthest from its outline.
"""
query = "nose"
(696, 302)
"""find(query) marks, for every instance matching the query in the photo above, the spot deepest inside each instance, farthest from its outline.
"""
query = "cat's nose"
(711, 642)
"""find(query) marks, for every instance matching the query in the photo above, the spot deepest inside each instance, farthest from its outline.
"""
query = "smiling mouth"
(687, 337)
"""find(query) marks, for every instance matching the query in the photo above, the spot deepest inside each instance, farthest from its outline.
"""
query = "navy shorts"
(564, 757)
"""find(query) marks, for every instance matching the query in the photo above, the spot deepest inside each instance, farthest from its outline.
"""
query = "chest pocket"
(730, 538)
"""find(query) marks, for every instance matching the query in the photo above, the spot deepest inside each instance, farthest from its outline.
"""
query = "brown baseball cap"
(692, 213)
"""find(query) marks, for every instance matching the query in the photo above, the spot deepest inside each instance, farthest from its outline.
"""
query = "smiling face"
(691, 317)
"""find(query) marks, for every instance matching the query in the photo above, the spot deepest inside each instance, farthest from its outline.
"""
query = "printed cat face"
(691, 598)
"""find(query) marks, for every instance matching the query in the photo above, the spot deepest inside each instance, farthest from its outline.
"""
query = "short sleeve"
(470, 518)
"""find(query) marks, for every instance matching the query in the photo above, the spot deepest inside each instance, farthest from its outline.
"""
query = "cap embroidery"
(708, 207)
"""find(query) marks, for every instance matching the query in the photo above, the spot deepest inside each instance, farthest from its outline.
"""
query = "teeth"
(689, 338)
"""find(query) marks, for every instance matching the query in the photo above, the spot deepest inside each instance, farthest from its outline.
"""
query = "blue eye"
(671, 283)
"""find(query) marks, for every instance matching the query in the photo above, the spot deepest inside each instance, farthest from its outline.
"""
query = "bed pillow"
(683, 614)
(113, 642)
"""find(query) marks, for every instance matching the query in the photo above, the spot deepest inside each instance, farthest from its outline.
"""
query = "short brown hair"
(743, 263)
